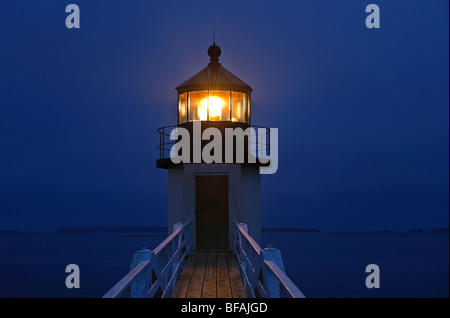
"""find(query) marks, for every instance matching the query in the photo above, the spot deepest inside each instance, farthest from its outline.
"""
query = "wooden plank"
(196, 284)
(184, 279)
(223, 280)
(210, 275)
(210, 281)
(236, 283)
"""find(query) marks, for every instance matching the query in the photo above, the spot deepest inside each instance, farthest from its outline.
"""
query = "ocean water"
(320, 264)
(333, 264)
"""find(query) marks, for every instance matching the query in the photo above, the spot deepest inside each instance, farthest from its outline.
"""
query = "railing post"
(187, 236)
(178, 242)
(244, 226)
(160, 157)
(138, 287)
(240, 247)
(273, 286)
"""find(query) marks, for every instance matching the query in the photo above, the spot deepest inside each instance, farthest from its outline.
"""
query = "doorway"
(211, 212)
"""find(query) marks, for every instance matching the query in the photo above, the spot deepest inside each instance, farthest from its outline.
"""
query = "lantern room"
(214, 94)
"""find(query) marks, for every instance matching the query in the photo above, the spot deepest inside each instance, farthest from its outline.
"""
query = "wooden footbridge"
(210, 275)
(172, 270)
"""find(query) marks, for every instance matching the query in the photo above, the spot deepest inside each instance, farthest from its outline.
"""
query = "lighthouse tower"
(213, 194)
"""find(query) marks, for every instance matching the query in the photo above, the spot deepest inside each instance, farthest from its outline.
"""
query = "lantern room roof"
(214, 77)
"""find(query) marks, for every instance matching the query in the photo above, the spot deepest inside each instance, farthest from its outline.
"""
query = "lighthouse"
(219, 180)
(214, 159)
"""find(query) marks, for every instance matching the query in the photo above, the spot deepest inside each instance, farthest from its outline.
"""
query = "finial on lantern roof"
(214, 51)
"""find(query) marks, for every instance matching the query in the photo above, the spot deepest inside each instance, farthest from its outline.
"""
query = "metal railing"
(262, 269)
(154, 273)
(165, 143)
(261, 142)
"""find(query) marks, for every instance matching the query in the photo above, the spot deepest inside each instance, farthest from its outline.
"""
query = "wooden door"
(211, 212)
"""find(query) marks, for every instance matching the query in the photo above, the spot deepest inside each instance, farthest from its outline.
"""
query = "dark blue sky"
(362, 114)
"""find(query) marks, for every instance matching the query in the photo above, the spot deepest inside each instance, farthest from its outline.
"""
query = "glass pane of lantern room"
(182, 108)
(247, 110)
(219, 105)
(198, 105)
(238, 105)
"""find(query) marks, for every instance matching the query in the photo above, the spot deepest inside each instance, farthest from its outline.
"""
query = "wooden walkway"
(210, 275)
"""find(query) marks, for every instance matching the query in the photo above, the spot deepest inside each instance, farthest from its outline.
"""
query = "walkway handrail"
(262, 269)
(154, 273)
